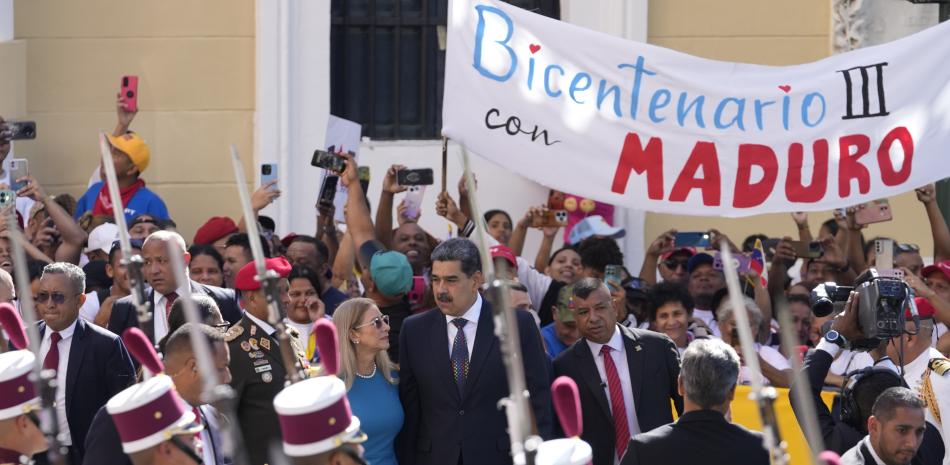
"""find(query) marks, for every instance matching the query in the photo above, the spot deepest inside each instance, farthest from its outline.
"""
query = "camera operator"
(935, 287)
(925, 370)
(841, 434)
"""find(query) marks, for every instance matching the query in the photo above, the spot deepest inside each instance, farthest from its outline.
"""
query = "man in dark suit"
(257, 367)
(707, 382)
(451, 372)
(103, 444)
(626, 377)
(159, 298)
(895, 430)
(91, 363)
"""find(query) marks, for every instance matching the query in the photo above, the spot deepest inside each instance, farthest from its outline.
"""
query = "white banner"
(649, 128)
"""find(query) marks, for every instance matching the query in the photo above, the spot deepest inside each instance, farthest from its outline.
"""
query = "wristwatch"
(836, 338)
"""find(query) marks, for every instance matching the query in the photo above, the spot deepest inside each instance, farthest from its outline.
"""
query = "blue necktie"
(460, 353)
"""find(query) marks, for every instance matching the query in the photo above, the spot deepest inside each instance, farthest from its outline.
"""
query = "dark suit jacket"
(99, 367)
(443, 425)
(257, 375)
(103, 445)
(841, 437)
(700, 436)
(654, 366)
(124, 314)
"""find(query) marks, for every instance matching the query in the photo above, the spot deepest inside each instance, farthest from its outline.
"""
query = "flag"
(757, 262)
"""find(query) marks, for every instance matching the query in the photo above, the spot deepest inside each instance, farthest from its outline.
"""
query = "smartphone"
(742, 262)
(18, 130)
(268, 174)
(877, 211)
(129, 93)
(414, 201)
(692, 239)
(807, 249)
(883, 254)
(19, 168)
(363, 172)
(551, 218)
(613, 274)
(416, 177)
(418, 291)
(7, 198)
(328, 161)
(328, 190)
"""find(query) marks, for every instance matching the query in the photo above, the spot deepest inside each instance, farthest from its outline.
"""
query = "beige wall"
(769, 33)
(195, 62)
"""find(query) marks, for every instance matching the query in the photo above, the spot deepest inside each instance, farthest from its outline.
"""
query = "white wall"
(6, 20)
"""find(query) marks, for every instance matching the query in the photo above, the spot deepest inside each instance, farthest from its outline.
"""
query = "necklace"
(369, 376)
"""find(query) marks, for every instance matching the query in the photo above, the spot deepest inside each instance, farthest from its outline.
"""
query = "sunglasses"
(58, 298)
(378, 322)
(35, 419)
(674, 264)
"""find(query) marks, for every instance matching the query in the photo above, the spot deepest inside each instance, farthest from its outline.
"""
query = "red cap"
(943, 267)
(924, 308)
(246, 279)
(506, 253)
(288, 239)
(688, 250)
(214, 229)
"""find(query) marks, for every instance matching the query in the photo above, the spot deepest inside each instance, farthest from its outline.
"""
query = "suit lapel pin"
(636, 347)
(253, 330)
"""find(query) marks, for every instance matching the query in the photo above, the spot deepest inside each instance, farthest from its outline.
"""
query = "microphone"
(13, 324)
(143, 351)
(327, 345)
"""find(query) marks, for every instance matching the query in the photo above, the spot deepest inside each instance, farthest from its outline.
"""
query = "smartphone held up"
(129, 93)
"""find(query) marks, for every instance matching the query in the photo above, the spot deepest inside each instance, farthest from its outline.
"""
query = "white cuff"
(831, 349)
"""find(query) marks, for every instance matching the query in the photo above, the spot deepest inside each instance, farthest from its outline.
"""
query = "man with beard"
(703, 282)
(895, 430)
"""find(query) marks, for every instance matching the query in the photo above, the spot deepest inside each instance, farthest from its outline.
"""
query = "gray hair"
(710, 371)
(726, 310)
(6, 280)
(886, 405)
(166, 236)
(73, 273)
(459, 250)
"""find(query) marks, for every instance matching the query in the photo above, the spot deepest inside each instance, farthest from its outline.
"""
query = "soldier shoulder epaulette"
(939, 365)
(233, 333)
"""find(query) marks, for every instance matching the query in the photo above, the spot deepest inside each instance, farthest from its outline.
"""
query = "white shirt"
(90, 308)
(708, 317)
(867, 443)
(64, 345)
(471, 316)
(207, 448)
(913, 376)
(158, 312)
(619, 356)
(303, 328)
(771, 356)
(261, 323)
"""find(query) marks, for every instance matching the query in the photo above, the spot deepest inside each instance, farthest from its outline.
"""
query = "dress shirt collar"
(867, 443)
(64, 334)
(615, 343)
(262, 324)
(472, 314)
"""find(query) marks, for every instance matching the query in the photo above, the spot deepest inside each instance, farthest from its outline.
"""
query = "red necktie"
(621, 430)
(51, 362)
(169, 300)
(198, 441)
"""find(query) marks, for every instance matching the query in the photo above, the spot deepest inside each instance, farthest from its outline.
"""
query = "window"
(387, 67)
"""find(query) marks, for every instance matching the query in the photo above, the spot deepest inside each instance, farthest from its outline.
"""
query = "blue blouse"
(376, 403)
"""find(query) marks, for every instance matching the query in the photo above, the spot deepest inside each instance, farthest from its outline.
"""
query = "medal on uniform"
(256, 354)
(253, 330)
(265, 343)
(246, 346)
(267, 377)
(253, 343)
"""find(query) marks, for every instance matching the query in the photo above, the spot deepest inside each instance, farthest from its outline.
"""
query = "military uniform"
(10, 457)
(257, 375)
(929, 374)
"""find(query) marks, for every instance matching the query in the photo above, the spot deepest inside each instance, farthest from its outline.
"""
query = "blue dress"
(376, 403)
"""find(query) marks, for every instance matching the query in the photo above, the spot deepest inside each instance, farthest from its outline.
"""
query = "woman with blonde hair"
(368, 374)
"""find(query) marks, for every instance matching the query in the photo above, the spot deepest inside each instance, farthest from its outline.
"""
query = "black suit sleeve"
(630, 457)
(673, 369)
(816, 365)
(409, 396)
(537, 377)
(102, 442)
(121, 370)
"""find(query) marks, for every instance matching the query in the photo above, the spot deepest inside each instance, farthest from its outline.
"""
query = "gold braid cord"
(940, 366)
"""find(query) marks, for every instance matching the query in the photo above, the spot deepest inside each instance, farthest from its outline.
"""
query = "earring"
(356, 341)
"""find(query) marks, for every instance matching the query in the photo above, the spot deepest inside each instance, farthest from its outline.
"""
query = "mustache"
(444, 298)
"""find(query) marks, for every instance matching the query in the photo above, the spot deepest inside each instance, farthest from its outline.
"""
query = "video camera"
(881, 305)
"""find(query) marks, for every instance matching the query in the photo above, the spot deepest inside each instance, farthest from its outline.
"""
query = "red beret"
(214, 229)
(246, 279)
(924, 308)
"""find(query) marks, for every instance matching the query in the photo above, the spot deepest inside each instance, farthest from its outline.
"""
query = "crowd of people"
(654, 353)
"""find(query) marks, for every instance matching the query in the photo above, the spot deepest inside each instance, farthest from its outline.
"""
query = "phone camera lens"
(265, 170)
(130, 94)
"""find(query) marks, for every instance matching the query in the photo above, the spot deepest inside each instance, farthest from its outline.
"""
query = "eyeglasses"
(222, 327)
(378, 322)
(674, 264)
(58, 298)
(35, 419)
